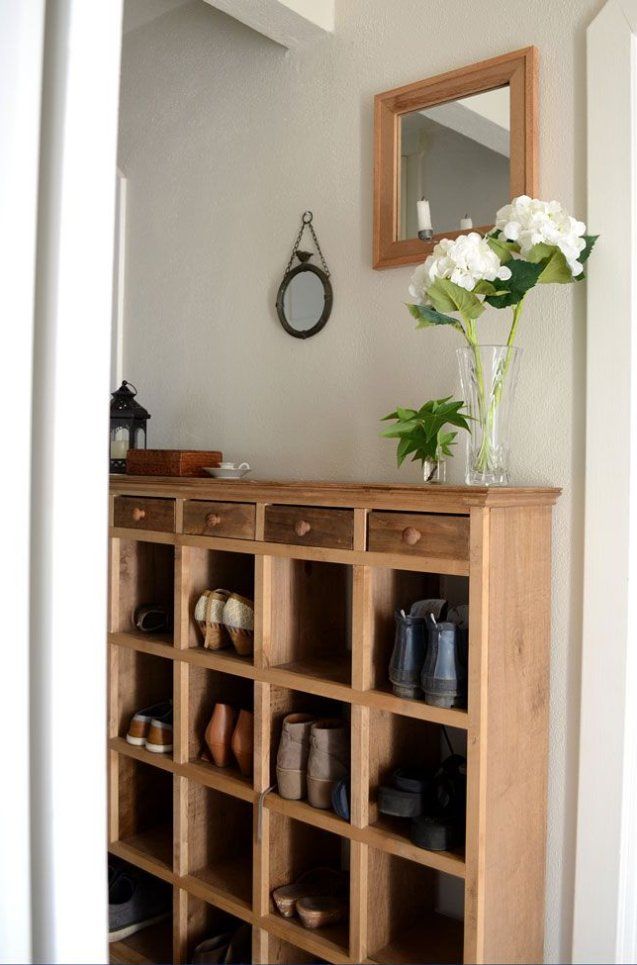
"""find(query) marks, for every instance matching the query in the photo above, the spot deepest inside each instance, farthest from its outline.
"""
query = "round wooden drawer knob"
(212, 520)
(302, 527)
(411, 536)
(138, 514)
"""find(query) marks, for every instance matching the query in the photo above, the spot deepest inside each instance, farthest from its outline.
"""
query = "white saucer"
(218, 473)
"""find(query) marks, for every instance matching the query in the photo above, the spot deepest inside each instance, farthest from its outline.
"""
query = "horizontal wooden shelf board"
(394, 496)
(385, 700)
(302, 811)
(164, 761)
(435, 939)
(224, 660)
(318, 554)
(139, 851)
(209, 889)
(225, 779)
(152, 944)
(329, 943)
(142, 535)
(294, 680)
(156, 644)
(385, 836)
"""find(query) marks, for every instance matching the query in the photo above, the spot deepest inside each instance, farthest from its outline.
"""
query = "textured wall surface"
(225, 139)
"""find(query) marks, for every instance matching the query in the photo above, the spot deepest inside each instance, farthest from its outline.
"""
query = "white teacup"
(234, 465)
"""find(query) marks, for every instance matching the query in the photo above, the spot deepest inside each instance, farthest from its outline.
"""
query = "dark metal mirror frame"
(290, 273)
(327, 307)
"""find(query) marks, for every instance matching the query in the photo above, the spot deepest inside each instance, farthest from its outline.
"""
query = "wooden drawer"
(219, 519)
(310, 526)
(419, 534)
(133, 513)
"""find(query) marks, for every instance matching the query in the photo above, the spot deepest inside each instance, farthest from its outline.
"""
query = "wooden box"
(170, 462)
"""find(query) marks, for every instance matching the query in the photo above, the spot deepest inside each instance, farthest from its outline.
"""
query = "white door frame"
(57, 186)
(605, 913)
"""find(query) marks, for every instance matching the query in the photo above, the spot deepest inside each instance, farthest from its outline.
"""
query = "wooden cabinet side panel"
(517, 734)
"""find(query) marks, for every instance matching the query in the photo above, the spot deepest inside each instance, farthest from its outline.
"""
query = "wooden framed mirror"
(466, 141)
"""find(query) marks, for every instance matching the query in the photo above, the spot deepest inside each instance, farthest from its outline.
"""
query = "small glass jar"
(434, 470)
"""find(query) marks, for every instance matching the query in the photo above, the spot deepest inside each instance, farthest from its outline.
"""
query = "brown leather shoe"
(242, 742)
(291, 760)
(219, 732)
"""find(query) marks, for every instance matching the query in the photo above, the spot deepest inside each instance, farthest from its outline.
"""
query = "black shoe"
(441, 826)
(340, 798)
(135, 899)
(405, 797)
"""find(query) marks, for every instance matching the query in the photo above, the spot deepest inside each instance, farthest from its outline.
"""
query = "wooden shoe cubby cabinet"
(327, 564)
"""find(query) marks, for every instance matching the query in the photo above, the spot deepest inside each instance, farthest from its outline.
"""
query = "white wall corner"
(605, 912)
(291, 23)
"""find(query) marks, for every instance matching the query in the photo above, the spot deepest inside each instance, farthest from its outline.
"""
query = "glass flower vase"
(488, 374)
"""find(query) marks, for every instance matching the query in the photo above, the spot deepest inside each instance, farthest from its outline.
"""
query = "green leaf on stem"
(428, 316)
(524, 275)
(447, 296)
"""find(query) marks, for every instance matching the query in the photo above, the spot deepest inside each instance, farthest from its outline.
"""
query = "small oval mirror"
(304, 301)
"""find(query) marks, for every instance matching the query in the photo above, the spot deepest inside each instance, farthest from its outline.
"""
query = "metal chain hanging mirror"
(304, 300)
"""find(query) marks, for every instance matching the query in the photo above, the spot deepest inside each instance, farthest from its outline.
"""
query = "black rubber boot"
(444, 674)
(408, 656)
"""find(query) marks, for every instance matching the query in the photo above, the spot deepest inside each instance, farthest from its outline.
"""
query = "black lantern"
(128, 425)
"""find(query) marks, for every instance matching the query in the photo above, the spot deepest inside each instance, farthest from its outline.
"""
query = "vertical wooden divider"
(359, 777)
(477, 735)
(181, 715)
(113, 685)
(261, 817)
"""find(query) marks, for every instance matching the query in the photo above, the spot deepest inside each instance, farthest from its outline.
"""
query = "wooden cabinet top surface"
(423, 498)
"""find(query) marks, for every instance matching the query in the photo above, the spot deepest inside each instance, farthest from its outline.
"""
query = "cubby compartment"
(394, 590)
(206, 688)
(212, 570)
(420, 917)
(146, 575)
(404, 742)
(296, 848)
(151, 944)
(312, 619)
(141, 681)
(145, 812)
(284, 702)
(220, 844)
(205, 922)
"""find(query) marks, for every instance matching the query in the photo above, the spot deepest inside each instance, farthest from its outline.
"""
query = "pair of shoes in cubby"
(429, 658)
(226, 619)
(152, 728)
(230, 735)
(434, 801)
(313, 761)
(318, 897)
(231, 946)
(136, 900)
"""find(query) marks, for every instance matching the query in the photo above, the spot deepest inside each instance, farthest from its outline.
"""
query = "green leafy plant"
(423, 433)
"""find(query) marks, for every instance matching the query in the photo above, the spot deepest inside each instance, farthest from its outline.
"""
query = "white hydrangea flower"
(529, 222)
(466, 260)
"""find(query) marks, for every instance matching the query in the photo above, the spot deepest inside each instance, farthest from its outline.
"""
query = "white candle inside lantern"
(119, 448)
(466, 223)
(424, 215)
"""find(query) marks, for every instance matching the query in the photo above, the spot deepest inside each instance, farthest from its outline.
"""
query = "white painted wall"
(225, 139)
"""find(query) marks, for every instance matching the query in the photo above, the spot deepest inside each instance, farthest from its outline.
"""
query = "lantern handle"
(133, 387)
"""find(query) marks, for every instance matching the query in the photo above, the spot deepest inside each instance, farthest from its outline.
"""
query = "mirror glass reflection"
(304, 301)
(457, 156)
